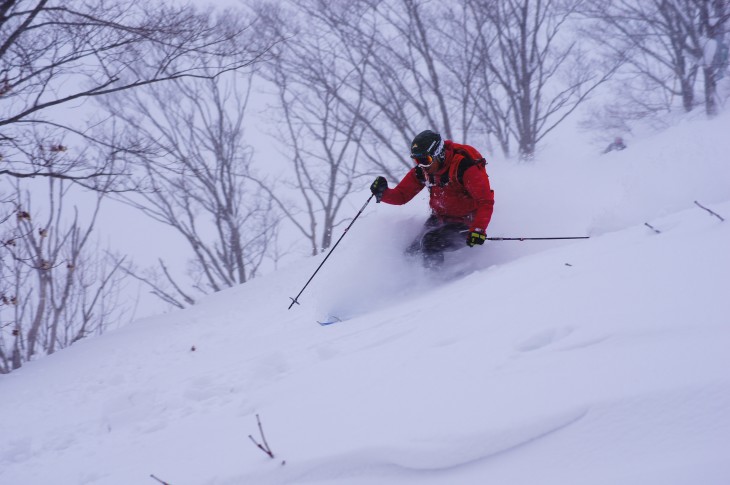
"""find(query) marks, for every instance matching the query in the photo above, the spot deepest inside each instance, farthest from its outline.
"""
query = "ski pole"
(296, 298)
(534, 238)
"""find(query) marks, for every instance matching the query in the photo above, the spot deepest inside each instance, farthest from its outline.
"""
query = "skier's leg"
(448, 237)
(416, 247)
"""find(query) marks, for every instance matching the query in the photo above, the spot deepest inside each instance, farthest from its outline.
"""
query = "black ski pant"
(436, 238)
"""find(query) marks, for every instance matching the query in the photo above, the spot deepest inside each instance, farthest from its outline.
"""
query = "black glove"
(475, 237)
(378, 188)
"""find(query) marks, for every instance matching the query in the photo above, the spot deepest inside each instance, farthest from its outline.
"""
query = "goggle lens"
(424, 160)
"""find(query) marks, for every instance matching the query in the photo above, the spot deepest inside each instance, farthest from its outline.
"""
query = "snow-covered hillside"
(600, 361)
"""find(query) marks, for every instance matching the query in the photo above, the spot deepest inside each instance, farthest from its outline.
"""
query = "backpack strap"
(457, 170)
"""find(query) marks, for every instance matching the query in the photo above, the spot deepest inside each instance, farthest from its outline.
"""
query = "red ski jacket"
(451, 201)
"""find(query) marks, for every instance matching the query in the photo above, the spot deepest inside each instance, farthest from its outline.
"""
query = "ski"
(329, 320)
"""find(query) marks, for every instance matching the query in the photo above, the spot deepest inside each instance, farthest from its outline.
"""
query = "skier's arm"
(404, 191)
(476, 183)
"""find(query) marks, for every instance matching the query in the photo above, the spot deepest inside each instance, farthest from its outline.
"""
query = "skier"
(461, 199)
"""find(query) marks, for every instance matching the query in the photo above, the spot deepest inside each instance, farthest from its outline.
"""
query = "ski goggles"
(424, 161)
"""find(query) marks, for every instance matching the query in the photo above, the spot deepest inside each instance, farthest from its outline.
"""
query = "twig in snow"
(711, 212)
(263, 446)
(162, 482)
(652, 228)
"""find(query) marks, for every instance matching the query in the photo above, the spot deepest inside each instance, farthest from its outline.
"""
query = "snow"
(599, 361)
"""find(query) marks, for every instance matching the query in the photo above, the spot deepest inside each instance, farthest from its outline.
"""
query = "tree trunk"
(32, 338)
(710, 91)
(688, 95)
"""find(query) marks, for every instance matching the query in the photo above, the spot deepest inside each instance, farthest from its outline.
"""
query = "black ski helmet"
(427, 144)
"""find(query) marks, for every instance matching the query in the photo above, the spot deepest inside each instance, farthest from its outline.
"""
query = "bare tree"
(539, 72)
(57, 287)
(471, 85)
(475, 67)
(320, 124)
(390, 73)
(400, 57)
(707, 34)
(664, 44)
(55, 54)
(196, 178)
(650, 39)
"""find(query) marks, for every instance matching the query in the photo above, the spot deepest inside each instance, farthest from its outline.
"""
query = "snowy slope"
(600, 361)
